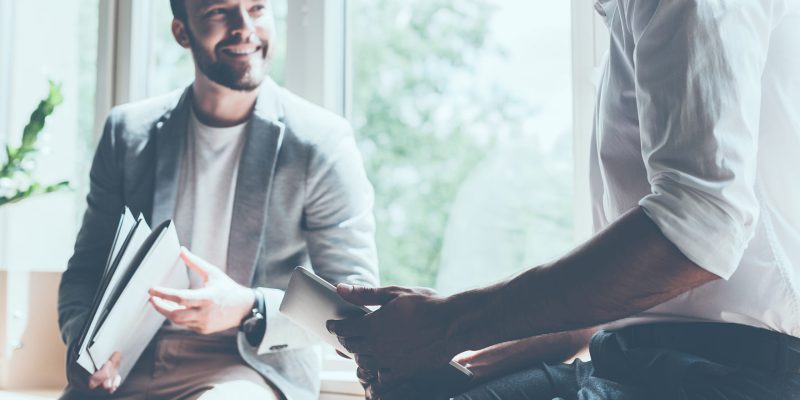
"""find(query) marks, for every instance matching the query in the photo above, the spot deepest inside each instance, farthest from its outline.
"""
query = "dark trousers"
(673, 361)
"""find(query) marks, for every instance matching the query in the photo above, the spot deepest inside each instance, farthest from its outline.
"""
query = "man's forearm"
(508, 357)
(627, 268)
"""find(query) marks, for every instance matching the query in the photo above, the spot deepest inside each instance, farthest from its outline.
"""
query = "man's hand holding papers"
(107, 376)
(219, 305)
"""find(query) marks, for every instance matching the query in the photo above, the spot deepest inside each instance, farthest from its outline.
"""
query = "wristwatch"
(254, 324)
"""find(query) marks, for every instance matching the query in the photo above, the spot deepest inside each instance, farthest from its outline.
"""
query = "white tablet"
(310, 302)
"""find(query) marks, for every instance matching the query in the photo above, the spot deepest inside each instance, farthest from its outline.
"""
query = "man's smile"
(243, 51)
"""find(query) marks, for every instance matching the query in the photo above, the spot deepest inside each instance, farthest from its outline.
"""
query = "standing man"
(695, 265)
(257, 181)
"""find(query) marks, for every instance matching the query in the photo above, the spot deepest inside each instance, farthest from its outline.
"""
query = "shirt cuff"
(281, 334)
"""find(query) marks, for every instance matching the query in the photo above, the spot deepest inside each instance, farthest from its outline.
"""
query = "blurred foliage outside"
(425, 128)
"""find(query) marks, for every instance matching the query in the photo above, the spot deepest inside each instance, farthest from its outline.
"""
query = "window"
(171, 67)
(463, 111)
(52, 39)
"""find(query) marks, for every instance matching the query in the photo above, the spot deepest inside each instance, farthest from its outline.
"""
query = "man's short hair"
(178, 9)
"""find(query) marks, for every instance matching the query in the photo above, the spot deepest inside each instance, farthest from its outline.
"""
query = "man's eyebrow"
(208, 3)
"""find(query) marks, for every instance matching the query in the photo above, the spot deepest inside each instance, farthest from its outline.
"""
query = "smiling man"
(257, 181)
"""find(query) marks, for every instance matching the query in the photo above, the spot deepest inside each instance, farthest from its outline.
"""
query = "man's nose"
(242, 23)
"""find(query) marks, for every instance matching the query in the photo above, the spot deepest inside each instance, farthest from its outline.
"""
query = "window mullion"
(587, 51)
(315, 56)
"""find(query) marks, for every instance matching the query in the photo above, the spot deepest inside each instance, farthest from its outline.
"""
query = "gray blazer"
(302, 198)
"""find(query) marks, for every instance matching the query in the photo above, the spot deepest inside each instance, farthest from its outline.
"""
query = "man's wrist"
(463, 331)
(248, 302)
(254, 324)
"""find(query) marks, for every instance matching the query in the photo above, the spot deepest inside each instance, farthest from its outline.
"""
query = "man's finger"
(366, 375)
(392, 377)
(355, 345)
(187, 316)
(366, 296)
(342, 354)
(116, 383)
(166, 308)
(184, 297)
(115, 359)
(348, 327)
(159, 306)
(106, 371)
(198, 265)
(378, 388)
(96, 379)
(366, 362)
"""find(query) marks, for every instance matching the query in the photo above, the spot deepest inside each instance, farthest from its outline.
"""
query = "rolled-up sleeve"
(698, 67)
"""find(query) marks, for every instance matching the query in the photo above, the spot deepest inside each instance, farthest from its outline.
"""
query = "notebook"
(139, 259)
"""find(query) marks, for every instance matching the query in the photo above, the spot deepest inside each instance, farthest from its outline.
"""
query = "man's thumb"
(365, 296)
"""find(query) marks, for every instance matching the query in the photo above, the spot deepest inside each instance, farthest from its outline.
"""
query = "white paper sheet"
(132, 322)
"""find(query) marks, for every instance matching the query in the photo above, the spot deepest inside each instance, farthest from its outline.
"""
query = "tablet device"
(311, 301)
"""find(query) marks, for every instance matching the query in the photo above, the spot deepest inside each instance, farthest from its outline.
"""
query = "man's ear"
(180, 33)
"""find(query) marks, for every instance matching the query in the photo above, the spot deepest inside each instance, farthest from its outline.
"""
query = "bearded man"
(257, 181)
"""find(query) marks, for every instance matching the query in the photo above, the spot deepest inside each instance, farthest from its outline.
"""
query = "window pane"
(171, 66)
(463, 112)
(50, 39)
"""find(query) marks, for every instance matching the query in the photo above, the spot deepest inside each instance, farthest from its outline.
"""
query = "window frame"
(6, 51)
(318, 34)
(589, 46)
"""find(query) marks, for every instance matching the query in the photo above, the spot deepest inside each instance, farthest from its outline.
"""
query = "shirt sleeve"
(698, 67)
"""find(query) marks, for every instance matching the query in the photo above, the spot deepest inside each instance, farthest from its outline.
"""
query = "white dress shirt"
(698, 122)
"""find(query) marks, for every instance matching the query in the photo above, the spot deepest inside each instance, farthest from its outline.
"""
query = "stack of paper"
(121, 317)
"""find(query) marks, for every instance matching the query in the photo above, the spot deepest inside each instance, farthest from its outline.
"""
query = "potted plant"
(17, 182)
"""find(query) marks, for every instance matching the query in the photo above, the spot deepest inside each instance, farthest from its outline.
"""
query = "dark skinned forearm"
(508, 357)
(625, 269)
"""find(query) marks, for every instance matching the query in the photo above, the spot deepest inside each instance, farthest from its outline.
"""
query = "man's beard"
(244, 79)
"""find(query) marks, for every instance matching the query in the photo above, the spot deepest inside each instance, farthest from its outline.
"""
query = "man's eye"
(257, 9)
(214, 12)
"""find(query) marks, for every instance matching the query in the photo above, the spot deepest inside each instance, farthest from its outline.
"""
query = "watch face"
(249, 324)
(254, 328)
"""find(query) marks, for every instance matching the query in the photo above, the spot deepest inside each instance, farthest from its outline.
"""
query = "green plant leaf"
(64, 185)
(27, 150)
(39, 116)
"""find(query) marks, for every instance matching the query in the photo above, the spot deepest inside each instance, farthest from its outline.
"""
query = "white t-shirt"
(698, 122)
(206, 190)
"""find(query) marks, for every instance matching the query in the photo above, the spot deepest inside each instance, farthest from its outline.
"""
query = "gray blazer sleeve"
(338, 222)
(85, 267)
(339, 229)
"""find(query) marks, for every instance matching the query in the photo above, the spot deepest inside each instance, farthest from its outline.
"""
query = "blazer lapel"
(253, 185)
(170, 138)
